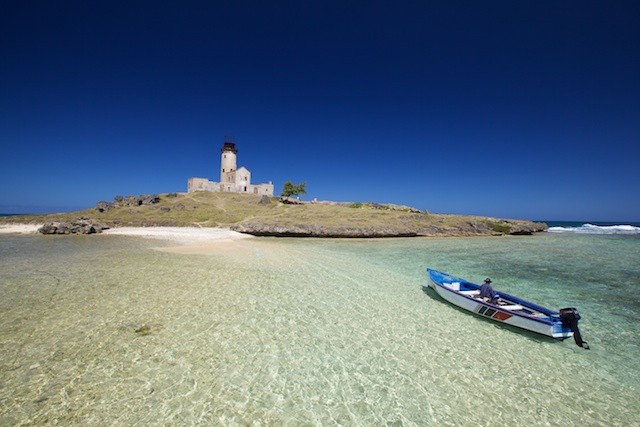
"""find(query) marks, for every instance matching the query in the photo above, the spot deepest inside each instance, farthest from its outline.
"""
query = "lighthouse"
(232, 178)
(228, 158)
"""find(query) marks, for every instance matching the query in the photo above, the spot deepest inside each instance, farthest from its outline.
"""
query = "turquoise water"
(106, 330)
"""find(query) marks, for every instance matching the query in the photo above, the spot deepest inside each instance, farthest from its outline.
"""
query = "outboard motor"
(570, 317)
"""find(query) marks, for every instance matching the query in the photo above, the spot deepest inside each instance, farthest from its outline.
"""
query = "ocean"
(120, 330)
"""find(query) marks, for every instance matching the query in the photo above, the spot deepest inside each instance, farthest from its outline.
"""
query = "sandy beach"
(179, 235)
(19, 228)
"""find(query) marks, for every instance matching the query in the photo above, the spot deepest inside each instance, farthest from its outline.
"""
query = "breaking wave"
(597, 229)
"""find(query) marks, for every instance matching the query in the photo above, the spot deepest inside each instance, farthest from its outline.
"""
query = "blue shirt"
(486, 291)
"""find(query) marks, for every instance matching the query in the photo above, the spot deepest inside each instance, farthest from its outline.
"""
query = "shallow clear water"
(106, 330)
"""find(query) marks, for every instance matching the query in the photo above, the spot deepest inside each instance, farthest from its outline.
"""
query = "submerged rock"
(143, 330)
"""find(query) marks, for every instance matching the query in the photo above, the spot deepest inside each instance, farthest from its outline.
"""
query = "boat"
(507, 309)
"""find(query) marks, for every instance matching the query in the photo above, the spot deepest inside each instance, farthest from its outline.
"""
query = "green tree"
(290, 189)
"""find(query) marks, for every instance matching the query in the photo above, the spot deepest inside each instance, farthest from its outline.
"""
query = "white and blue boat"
(507, 308)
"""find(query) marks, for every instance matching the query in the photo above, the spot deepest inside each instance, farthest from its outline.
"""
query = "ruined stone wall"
(263, 189)
(202, 184)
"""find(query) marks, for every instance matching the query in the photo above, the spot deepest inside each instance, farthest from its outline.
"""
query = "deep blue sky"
(517, 109)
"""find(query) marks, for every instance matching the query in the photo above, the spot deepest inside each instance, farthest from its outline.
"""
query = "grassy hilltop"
(268, 216)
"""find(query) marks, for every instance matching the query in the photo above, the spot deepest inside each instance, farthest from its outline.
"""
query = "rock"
(147, 199)
(290, 201)
(470, 227)
(473, 227)
(105, 206)
(80, 225)
(265, 200)
(143, 330)
(49, 228)
(131, 201)
(316, 230)
(143, 199)
(526, 228)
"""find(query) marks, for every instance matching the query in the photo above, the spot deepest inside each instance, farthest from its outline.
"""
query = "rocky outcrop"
(81, 225)
(464, 228)
(103, 206)
(291, 201)
(118, 201)
(392, 207)
(527, 227)
(303, 230)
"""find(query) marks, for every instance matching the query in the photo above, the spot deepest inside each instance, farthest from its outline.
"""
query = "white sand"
(180, 235)
(19, 228)
(183, 235)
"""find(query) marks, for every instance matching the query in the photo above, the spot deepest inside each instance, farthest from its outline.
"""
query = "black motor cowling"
(570, 317)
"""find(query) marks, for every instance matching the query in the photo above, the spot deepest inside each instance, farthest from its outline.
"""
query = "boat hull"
(544, 321)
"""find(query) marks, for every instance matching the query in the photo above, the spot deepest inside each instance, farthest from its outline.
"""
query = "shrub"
(500, 227)
(291, 189)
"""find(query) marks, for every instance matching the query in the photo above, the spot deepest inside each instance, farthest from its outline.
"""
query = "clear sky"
(515, 109)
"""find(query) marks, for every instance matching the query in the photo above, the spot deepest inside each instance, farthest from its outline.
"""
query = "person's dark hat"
(487, 280)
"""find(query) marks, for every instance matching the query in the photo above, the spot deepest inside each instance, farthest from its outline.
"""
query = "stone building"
(232, 179)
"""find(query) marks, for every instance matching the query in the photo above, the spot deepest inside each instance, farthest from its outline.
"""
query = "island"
(263, 215)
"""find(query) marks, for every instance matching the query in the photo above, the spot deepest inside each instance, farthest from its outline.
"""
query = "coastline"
(180, 235)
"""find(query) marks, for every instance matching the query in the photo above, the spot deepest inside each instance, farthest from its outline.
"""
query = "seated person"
(486, 291)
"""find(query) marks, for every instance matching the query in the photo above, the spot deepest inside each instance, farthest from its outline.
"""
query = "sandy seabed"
(187, 240)
(103, 330)
(191, 240)
(184, 235)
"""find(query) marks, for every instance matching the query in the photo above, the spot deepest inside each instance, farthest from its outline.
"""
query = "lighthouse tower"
(228, 162)
(232, 178)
